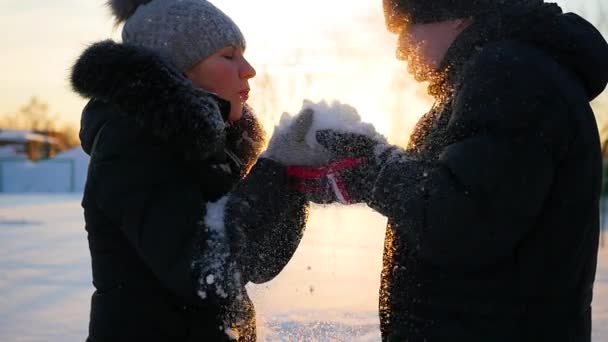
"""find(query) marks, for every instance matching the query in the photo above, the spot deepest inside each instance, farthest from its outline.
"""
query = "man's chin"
(418, 74)
(420, 77)
(421, 73)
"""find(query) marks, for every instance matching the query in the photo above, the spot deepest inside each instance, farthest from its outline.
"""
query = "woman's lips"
(244, 95)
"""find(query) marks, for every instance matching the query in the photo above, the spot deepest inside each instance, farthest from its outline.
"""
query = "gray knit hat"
(182, 31)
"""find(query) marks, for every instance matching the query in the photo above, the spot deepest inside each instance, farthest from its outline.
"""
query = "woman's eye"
(228, 56)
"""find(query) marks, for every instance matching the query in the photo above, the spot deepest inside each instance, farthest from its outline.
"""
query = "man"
(493, 207)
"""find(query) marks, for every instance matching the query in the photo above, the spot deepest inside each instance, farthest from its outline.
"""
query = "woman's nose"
(247, 71)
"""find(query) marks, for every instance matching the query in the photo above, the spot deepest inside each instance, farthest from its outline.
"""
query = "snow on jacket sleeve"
(270, 216)
(484, 193)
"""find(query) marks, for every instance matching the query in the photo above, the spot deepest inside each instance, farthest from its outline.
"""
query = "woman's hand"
(288, 144)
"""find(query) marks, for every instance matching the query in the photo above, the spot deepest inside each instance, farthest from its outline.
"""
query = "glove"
(288, 145)
(324, 184)
(351, 176)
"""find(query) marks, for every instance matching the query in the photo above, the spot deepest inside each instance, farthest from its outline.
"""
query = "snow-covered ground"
(328, 292)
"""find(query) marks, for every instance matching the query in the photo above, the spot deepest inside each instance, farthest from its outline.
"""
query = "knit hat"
(183, 32)
(400, 12)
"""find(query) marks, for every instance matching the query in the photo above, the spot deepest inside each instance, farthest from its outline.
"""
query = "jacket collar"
(158, 97)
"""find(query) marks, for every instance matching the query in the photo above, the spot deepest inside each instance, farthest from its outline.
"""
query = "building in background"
(27, 144)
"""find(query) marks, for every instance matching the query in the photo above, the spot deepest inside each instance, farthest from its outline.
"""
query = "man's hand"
(350, 177)
(348, 145)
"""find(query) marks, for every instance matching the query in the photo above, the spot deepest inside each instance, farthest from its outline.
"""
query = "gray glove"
(288, 145)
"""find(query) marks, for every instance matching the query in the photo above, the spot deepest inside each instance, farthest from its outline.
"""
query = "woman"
(169, 137)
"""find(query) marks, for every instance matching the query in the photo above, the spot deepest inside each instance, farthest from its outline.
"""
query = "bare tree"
(35, 115)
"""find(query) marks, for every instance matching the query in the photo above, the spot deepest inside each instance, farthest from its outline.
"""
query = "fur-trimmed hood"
(137, 82)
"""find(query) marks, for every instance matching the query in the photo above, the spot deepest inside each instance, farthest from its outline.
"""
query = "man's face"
(424, 46)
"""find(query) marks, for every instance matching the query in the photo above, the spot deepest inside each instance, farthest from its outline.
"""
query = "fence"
(53, 175)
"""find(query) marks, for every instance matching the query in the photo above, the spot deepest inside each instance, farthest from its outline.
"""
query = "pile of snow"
(336, 116)
(65, 173)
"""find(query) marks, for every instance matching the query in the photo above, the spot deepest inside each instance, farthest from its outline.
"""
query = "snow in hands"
(336, 116)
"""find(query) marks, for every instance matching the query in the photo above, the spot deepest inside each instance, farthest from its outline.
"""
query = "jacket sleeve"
(155, 207)
(485, 192)
(269, 216)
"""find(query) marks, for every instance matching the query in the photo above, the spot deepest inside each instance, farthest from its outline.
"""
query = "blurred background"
(314, 49)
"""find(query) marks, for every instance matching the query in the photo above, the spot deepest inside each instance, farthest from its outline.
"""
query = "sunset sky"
(342, 43)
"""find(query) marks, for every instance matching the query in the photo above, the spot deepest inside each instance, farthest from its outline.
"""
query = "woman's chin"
(236, 112)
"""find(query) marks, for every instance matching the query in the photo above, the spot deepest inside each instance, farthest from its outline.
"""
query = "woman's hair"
(183, 32)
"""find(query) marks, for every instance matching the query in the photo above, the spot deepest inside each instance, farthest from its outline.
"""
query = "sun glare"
(336, 50)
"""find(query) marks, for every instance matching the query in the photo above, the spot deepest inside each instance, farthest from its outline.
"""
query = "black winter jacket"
(493, 209)
(170, 256)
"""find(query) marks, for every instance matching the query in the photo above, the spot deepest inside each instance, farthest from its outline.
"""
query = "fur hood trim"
(162, 101)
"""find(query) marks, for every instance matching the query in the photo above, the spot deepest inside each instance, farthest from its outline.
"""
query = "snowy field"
(328, 292)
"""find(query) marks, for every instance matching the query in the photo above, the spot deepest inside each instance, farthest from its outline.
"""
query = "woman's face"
(225, 73)
(424, 46)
